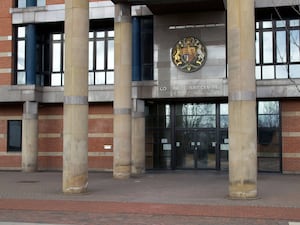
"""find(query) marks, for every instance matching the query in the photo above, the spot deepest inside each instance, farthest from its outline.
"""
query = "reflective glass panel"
(294, 71)
(91, 55)
(56, 79)
(224, 115)
(282, 72)
(268, 72)
(91, 78)
(21, 55)
(21, 78)
(110, 54)
(100, 78)
(56, 57)
(21, 32)
(294, 46)
(14, 135)
(257, 48)
(281, 46)
(41, 2)
(294, 23)
(56, 37)
(281, 23)
(268, 107)
(267, 24)
(100, 55)
(268, 47)
(111, 33)
(21, 3)
(100, 34)
(110, 77)
(258, 72)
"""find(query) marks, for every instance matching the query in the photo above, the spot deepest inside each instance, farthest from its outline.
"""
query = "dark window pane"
(14, 135)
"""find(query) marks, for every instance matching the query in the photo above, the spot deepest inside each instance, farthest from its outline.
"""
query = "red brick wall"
(50, 142)
(5, 45)
(290, 136)
(52, 2)
(9, 160)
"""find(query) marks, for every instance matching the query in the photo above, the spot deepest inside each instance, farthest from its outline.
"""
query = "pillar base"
(122, 172)
(76, 185)
(242, 191)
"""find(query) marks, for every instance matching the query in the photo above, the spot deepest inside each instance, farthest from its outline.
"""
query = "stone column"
(122, 91)
(138, 138)
(242, 99)
(30, 137)
(75, 153)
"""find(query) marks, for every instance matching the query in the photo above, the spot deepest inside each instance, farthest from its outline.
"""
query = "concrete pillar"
(242, 99)
(75, 154)
(122, 91)
(30, 137)
(138, 138)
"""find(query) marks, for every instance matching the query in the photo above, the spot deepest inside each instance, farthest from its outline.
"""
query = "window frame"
(94, 40)
(275, 65)
(9, 127)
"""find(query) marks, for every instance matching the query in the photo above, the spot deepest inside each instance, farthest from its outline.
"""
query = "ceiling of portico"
(177, 6)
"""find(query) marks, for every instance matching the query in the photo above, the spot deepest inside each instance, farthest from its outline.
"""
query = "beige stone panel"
(75, 156)
(76, 4)
(29, 145)
(123, 65)
(122, 146)
(138, 145)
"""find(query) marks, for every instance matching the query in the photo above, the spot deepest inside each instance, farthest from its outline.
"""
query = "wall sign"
(189, 54)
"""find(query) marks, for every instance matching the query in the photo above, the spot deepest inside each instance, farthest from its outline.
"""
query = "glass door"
(195, 149)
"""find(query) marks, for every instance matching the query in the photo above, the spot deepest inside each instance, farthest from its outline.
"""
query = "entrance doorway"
(187, 136)
(195, 136)
(195, 149)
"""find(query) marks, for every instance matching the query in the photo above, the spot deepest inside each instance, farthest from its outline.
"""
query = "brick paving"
(155, 198)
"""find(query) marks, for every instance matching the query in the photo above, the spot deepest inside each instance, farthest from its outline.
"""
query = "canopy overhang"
(177, 6)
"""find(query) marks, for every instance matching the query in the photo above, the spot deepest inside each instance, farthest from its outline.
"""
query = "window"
(277, 49)
(22, 3)
(14, 136)
(20, 67)
(101, 57)
(57, 65)
(269, 136)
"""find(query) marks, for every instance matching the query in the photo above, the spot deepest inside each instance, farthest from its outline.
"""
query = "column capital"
(122, 13)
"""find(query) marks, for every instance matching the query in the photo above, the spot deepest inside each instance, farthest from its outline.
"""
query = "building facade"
(161, 89)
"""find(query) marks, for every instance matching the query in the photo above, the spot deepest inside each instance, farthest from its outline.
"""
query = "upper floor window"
(57, 64)
(278, 49)
(101, 57)
(20, 61)
(22, 3)
(50, 55)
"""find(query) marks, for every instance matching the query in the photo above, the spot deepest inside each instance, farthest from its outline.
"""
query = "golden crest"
(189, 54)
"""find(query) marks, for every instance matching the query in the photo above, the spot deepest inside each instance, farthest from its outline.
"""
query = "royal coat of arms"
(189, 54)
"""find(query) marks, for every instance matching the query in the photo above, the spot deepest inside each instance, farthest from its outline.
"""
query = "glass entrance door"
(195, 149)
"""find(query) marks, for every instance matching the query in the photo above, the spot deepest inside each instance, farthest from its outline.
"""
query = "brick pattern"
(8, 160)
(52, 2)
(50, 142)
(290, 136)
(5, 45)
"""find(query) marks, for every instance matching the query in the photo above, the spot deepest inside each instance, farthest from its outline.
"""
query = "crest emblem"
(189, 54)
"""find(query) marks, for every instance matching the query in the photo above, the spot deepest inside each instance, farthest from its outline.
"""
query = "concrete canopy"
(172, 6)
